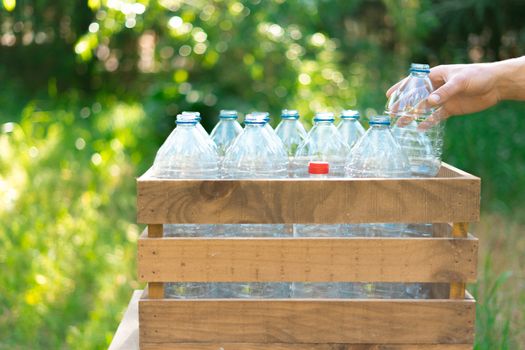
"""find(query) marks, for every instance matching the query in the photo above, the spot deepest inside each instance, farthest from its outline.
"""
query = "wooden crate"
(449, 201)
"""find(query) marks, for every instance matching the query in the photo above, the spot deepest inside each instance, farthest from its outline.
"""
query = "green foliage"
(493, 312)
(91, 88)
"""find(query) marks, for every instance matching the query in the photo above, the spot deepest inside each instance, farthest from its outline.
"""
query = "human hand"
(460, 89)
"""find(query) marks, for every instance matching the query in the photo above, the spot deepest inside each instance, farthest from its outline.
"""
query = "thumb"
(445, 92)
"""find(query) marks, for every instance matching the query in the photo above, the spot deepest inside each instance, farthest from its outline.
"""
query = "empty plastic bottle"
(323, 143)
(319, 170)
(186, 154)
(350, 128)
(408, 106)
(255, 154)
(225, 132)
(377, 154)
(189, 290)
(292, 133)
(200, 128)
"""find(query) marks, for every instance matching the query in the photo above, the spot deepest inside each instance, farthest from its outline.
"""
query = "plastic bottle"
(225, 132)
(200, 128)
(323, 143)
(408, 106)
(378, 154)
(254, 154)
(316, 170)
(292, 133)
(186, 155)
(350, 128)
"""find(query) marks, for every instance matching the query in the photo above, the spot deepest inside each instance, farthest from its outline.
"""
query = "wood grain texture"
(311, 259)
(457, 289)
(281, 346)
(441, 199)
(350, 321)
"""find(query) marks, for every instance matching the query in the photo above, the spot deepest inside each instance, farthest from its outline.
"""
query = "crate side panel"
(307, 259)
(282, 346)
(308, 201)
(308, 321)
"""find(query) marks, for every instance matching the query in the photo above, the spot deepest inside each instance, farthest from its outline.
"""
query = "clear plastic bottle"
(377, 154)
(408, 106)
(200, 128)
(350, 128)
(254, 154)
(225, 132)
(292, 133)
(316, 170)
(186, 155)
(319, 170)
(323, 143)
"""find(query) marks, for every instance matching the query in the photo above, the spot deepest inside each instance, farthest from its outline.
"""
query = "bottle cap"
(379, 120)
(186, 119)
(318, 168)
(256, 118)
(420, 68)
(349, 114)
(324, 117)
(228, 114)
(197, 115)
(289, 114)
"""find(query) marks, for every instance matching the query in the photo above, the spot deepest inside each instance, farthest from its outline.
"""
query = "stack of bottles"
(394, 146)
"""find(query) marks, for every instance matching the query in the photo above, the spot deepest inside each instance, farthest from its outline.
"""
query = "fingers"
(394, 87)
(447, 91)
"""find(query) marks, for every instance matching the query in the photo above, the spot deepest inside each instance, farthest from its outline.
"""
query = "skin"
(469, 88)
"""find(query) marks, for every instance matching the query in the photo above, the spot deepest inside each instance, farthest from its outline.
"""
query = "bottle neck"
(323, 122)
(418, 74)
(379, 126)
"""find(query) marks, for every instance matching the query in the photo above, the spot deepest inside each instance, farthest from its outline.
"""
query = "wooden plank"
(313, 259)
(281, 346)
(127, 338)
(127, 335)
(457, 289)
(415, 200)
(352, 321)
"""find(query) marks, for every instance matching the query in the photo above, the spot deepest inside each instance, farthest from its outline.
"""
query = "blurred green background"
(90, 89)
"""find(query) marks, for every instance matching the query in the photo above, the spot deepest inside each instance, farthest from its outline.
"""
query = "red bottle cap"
(318, 168)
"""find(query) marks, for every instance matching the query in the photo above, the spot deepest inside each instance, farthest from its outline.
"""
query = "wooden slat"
(127, 338)
(457, 289)
(313, 259)
(278, 346)
(351, 321)
(440, 199)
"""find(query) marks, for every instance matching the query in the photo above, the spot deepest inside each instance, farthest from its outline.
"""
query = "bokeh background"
(89, 90)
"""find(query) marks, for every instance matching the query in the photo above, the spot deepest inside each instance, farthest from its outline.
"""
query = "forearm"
(510, 78)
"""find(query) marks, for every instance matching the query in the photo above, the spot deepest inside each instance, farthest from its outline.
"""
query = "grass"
(500, 289)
